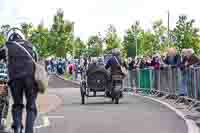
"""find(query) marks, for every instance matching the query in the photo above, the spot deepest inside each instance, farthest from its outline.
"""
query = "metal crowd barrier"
(169, 81)
(192, 78)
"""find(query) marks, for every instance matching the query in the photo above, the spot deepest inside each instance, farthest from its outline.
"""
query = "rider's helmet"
(15, 34)
(94, 60)
(116, 52)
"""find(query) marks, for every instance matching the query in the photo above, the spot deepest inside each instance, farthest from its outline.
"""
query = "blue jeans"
(28, 87)
(183, 89)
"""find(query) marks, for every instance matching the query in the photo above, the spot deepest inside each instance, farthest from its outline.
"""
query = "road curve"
(133, 114)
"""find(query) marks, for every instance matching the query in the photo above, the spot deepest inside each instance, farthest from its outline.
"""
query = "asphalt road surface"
(133, 114)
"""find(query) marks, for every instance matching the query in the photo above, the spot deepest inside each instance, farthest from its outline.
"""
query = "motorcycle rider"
(115, 63)
(21, 79)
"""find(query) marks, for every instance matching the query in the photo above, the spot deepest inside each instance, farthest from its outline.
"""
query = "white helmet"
(116, 51)
(15, 34)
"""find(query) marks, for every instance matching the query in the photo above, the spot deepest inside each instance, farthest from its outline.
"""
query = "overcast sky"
(92, 16)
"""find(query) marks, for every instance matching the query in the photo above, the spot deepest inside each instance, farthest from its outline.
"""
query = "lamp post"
(168, 22)
(136, 43)
(135, 35)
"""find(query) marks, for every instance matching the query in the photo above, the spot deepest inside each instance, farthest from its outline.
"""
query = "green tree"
(27, 29)
(159, 31)
(5, 29)
(40, 38)
(62, 35)
(79, 47)
(112, 39)
(3, 32)
(95, 45)
(147, 43)
(187, 36)
(2, 39)
(133, 37)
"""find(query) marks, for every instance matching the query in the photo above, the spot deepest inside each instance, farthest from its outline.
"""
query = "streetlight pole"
(136, 43)
(168, 22)
(135, 40)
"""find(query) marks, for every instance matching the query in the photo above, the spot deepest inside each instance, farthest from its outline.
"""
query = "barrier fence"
(169, 81)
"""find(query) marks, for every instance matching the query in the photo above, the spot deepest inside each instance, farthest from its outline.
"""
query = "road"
(134, 114)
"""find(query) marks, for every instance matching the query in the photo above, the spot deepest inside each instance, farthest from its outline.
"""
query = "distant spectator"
(131, 64)
(191, 58)
(172, 57)
(71, 68)
(143, 63)
(155, 63)
(183, 89)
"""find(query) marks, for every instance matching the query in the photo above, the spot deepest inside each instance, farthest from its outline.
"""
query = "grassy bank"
(68, 76)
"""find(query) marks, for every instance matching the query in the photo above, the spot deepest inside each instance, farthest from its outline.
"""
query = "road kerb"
(191, 125)
(72, 81)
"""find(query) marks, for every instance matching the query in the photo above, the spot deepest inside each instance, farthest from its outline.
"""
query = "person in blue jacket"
(115, 63)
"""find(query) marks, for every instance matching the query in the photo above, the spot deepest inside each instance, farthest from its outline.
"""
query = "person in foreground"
(21, 79)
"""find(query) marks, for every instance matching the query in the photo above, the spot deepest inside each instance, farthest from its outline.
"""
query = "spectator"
(155, 63)
(191, 58)
(92, 65)
(190, 61)
(172, 58)
(71, 68)
(46, 64)
(144, 63)
(183, 89)
(52, 66)
(131, 64)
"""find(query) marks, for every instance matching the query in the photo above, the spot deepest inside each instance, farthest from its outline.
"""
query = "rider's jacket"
(114, 65)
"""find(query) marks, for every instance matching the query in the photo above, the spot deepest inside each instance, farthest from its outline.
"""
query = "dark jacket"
(19, 63)
(175, 60)
(193, 60)
(115, 66)
(155, 64)
(131, 65)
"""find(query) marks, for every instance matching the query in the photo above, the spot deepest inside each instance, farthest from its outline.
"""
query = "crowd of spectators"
(172, 60)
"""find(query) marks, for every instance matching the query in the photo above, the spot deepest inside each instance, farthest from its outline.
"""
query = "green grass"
(68, 76)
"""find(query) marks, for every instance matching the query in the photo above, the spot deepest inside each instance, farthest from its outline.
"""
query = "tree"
(27, 29)
(3, 33)
(40, 38)
(2, 39)
(5, 29)
(112, 40)
(159, 31)
(79, 47)
(95, 45)
(187, 36)
(61, 35)
(133, 34)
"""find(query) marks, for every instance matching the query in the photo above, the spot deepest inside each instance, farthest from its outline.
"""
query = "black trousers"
(20, 87)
